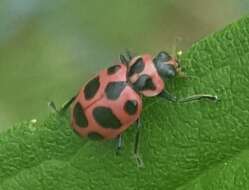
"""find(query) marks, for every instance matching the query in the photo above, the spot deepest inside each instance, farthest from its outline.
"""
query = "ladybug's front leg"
(166, 95)
(136, 155)
(200, 97)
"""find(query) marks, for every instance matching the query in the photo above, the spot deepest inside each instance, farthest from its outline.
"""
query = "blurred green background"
(48, 49)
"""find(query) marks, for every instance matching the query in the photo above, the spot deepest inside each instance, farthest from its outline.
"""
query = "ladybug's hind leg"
(119, 144)
(52, 105)
(64, 107)
(136, 154)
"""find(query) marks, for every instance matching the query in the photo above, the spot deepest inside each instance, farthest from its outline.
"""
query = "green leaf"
(198, 145)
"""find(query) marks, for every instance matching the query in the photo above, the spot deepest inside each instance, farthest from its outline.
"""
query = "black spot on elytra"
(94, 136)
(79, 116)
(144, 82)
(105, 118)
(137, 67)
(114, 89)
(91, 88)
(113, 69)
(131, 107)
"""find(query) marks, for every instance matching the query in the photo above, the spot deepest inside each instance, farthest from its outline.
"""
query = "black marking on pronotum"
(137, 67)
(95, 136)
(91, 88)
(130, 107)
(113, 69)
(163, 57)
(105, 118)
(165, 70)
(114, 89)
(79, 116)
(144, 82)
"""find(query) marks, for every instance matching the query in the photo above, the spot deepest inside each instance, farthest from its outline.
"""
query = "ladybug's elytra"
(111, 101)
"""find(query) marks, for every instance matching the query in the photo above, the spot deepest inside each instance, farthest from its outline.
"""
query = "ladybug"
(111, 101)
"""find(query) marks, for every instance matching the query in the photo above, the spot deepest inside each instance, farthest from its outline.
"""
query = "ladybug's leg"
(64, 106)
(123, 60)
(119, 144)
(199, 97)
(129, 54)
(166, 95)
(126, 58)
(175, 51)
(52, 105)
(137, 157)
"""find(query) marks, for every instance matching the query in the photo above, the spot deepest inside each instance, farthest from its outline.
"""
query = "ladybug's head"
(166, 66)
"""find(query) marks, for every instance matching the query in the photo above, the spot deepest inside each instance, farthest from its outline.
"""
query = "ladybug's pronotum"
(111, 101)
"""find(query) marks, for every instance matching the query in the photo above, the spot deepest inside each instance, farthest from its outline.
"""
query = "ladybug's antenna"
(175, 51)
(199, 97)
